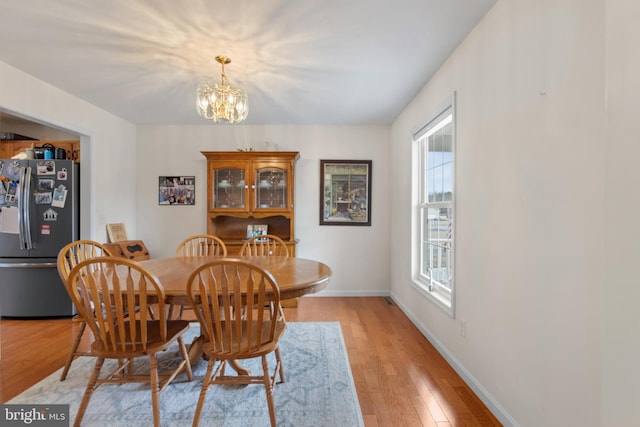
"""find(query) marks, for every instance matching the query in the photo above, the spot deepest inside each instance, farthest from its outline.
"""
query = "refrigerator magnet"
(59, 196)
(62, 174)
(45, 229)
(11, 197)
(12, 171)
(42, 198)
(46, 167)
(50, 215)
(46, 184)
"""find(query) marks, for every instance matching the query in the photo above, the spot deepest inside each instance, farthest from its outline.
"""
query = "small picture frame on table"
(256, 230)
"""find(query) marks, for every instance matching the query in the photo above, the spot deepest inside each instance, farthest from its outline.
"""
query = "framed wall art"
(345, 192)
(177, 190)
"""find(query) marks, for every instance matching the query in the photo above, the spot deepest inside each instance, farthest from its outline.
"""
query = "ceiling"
(300, 61)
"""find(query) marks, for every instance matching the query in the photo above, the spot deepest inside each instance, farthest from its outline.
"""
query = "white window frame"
(441, 296)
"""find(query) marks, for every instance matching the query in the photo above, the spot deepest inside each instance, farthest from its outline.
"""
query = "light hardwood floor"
(400, 378)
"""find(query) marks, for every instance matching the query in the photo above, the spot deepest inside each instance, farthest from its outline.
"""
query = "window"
(433, 246)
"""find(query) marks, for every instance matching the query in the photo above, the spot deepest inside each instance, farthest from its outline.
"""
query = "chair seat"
(267, 344)
(137, 348)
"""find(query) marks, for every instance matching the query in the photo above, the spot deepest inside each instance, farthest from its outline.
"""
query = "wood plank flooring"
(400, 378)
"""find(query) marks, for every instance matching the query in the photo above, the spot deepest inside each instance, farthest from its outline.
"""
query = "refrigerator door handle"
(28, 265)
(27, 203)
(21, 196)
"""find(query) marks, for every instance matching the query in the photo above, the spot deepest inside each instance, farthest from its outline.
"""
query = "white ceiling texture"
(300, 61)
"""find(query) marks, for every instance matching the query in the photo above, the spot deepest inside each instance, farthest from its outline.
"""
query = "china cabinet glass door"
(229, 188)
(271, 188)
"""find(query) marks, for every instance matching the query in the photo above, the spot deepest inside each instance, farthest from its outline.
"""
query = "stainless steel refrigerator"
(39, 214)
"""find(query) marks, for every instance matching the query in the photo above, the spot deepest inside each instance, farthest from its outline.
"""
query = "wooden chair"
(214, 290)
(201, 245)
(120, 286)
(68, 257)
(264, 245)
(198, 245)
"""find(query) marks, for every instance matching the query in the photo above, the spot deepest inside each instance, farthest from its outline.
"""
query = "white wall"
(107, 147)
(530, 220)
(620, 291)
(359, 256)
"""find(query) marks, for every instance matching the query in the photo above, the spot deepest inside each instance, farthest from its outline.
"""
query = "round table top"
(295, 276)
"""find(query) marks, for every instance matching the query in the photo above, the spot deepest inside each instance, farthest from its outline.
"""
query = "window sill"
(440, 299)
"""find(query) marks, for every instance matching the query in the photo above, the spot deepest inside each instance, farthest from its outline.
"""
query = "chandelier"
(222, 103)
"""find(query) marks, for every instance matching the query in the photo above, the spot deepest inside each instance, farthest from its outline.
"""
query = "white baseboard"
(350, 294)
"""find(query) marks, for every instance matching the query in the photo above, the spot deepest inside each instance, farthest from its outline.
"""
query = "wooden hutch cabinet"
(246, 189)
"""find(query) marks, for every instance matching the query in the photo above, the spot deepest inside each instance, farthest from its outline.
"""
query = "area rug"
(318, 391)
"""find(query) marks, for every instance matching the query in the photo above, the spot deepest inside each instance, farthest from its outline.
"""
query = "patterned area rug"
(319, 389)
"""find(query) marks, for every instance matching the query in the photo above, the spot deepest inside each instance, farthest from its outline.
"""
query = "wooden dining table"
(295, 277)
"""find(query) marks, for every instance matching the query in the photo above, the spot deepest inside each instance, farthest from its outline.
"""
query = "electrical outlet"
(463, 328)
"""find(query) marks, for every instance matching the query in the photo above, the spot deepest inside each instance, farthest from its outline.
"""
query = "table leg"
(238, 368)
(195, 349)
(195, 353)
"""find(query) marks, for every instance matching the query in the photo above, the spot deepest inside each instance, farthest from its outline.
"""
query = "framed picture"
(345, 192)
(116, 233)
(177, 190)
(256, 230)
